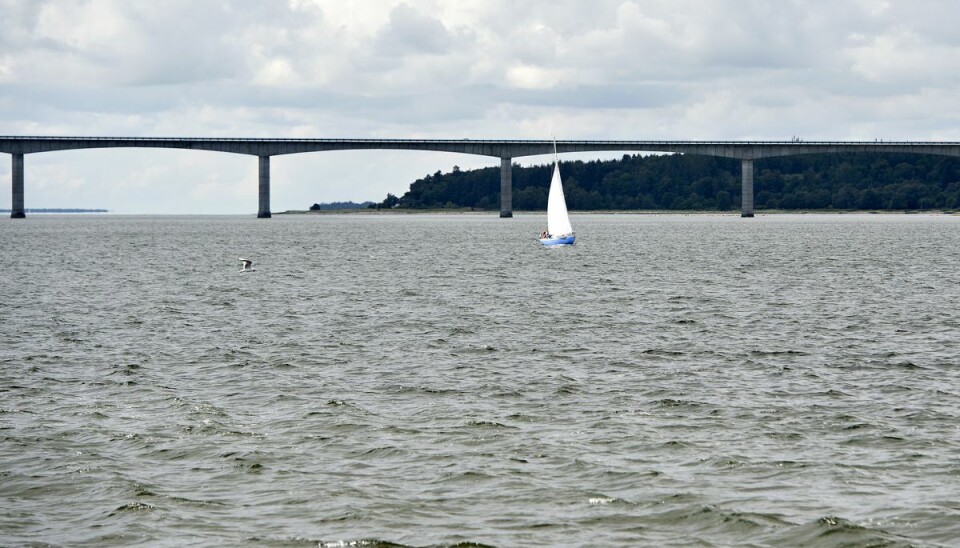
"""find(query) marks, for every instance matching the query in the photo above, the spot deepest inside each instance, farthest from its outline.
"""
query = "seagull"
(246, 265)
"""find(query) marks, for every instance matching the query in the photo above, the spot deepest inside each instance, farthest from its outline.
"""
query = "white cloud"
(904, 55)
(530, 77)
(277, 72)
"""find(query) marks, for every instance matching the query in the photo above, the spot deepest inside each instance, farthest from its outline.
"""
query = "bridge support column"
(506, 187)
(264, 211)
(746, 193)
(16, 206)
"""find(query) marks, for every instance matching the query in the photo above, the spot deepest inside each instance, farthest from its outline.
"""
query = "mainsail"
(558, 222)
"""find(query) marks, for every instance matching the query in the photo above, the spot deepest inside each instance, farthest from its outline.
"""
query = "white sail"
(558, 222)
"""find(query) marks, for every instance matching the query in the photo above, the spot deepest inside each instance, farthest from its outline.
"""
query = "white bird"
(246, 265)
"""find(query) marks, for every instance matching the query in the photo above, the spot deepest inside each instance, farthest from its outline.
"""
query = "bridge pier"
(16, 206)
(506, 187)
(264, 211)
(746, 192)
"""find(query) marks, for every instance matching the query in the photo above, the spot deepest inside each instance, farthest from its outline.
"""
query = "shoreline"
(626, 212)
(455, 212)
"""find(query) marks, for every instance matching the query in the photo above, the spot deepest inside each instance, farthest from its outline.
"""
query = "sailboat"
(559, 231)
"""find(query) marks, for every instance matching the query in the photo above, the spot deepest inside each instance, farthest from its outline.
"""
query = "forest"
(863, 181)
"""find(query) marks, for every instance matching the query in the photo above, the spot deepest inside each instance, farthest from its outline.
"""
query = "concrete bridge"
(745, 151)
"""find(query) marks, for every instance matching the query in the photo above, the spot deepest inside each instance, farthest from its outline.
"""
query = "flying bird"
(246, 265)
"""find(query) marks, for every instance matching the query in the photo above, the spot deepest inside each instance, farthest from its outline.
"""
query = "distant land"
(58, 210)
(339, 206)
(677, 182)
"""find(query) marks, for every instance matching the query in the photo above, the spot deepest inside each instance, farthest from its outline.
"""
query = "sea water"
(435, 380)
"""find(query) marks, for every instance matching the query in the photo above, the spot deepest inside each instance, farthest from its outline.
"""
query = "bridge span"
(745, 151)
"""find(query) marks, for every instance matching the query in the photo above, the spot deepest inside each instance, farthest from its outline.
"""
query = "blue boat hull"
(562, 240)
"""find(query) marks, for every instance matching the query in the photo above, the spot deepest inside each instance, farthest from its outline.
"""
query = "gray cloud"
(408, 30)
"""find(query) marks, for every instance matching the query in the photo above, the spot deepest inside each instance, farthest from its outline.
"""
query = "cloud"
(409, 30)
(608, 69)
(903, 55)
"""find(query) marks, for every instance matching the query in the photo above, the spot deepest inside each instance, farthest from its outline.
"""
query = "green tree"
(390, 202)
(856, 180)
(724, 202)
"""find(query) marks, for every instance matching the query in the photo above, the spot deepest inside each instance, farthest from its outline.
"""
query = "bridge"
(745, 151)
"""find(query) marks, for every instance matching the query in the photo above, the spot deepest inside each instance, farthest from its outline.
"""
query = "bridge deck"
(500, 148)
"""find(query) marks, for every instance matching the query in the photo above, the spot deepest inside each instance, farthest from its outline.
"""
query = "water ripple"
(668, 381)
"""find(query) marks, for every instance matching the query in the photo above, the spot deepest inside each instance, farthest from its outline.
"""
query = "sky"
(445, 69)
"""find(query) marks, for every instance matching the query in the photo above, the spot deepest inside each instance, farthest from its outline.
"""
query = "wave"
(832, 531)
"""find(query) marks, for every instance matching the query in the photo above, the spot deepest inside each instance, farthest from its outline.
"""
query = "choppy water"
(435, 380)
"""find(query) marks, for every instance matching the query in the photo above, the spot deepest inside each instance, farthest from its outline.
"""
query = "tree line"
(872, 181)
(339, 206)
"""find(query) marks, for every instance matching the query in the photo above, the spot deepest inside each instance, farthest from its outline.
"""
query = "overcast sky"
(594, 69)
